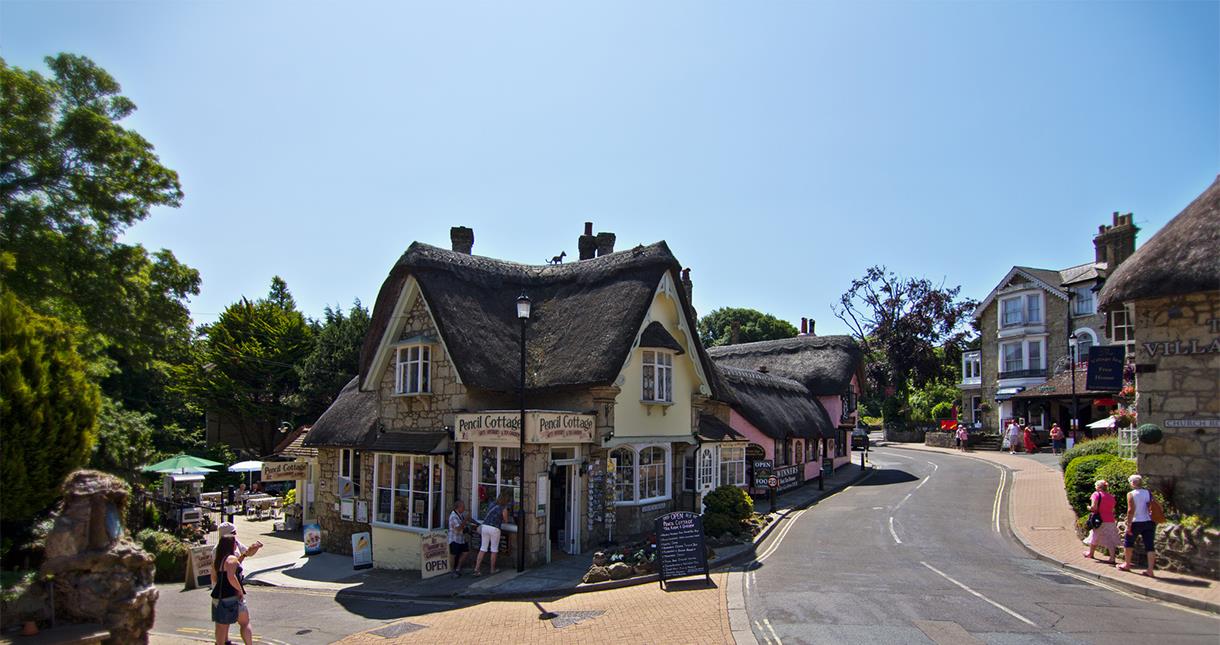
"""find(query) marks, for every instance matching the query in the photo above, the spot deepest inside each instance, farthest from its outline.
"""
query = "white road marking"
(791, 521)
(772, 630)
(999, 494)
(979, 595)
(925, 480)
(896, 540)
(759, 625)
(934, 466)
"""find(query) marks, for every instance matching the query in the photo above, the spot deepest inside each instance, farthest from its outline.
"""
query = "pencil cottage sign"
(540, 427)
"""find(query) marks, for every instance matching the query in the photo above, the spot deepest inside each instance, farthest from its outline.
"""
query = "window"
(410, 490)
(1084, 341)
(1033, 308)
(811, 451)
(658, 376)
(733, 466)
(706, 468)
(349, 466)
(1083, 303)
(1122, 325)
(498, 470)
(1034, 349)
(976, 415)
(643, 475)
(1019, 310)
(412, 374)
(688, 469)
(971, 366)
(781, 452)
(1011, 311)
(798, 451)
(848, 403)
(1013, 361)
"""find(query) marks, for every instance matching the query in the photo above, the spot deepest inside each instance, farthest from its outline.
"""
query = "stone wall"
(431, 411)
(1192, 551)
(1178, 379)
(336, 531)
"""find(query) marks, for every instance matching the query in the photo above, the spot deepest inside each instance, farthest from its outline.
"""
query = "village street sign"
(501, 427)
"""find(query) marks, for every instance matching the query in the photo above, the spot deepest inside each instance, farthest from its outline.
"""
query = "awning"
(619, 441)
(1005, 393)
(713, 430)
(181, 478)
(414, 443)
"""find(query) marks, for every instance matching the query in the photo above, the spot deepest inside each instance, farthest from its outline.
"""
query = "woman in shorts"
(489, 533)
(228, 592)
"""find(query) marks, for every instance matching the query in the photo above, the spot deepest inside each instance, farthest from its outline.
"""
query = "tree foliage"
(244, 367)
(72, 180)
(124, 441)
(716, 328)
(335, 357)
(48, 406)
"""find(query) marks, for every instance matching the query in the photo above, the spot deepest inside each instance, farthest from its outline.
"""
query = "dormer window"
(413, 369)
(1021, 310)
(658, 377)
(1083, 303)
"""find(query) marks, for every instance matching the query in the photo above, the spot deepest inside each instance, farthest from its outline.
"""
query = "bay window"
(658, 377)
(642, 474)
(410, 490)
(413, 369)
(1013, 360)
(496, 470)
(1021, 310)
(1034, 351)
(624, 474)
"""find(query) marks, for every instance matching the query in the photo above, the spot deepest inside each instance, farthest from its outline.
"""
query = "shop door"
(563, 517)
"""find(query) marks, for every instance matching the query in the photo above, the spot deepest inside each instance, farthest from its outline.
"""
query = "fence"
(1128, 438)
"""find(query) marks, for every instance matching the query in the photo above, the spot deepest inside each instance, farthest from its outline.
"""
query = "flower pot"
(29, 628)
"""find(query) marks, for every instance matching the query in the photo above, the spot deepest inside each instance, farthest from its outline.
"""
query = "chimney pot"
(812, 322)
(462, 239)
(588, 228)
(586, 245)
(605, 243)
(804, 326)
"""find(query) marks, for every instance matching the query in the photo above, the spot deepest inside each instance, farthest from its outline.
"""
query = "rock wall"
(1193, 551)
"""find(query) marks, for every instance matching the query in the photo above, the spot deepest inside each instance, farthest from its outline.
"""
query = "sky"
(780, 148)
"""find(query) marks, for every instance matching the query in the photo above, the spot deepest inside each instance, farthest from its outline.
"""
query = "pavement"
(1045, 524)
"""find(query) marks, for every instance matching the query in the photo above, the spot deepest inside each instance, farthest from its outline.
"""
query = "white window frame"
(975, 414)
(1026, 364)
(500, 485)
(1020, 300)
(635, 450)
(705, 474)
(1084, 334)
(1081, 295)
(657, 382)
(1023, 301)
(1123, 318)
(436, 498)
(348, 466)
(972, 364)
(420, 367)
(738, 475)
(1029, 365)
(1004, 357)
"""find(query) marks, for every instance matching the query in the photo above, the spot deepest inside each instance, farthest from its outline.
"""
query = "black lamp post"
(1075, 422)
(523, 314)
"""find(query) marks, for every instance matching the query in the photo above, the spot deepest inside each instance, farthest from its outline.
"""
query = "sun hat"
(227, 529)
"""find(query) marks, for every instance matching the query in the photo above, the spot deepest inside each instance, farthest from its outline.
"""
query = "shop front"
(548, 486)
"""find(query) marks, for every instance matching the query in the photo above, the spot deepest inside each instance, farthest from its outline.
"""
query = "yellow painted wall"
(395, 549)
(635, 419)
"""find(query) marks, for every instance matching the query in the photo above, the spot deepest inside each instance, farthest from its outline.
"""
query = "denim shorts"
(226, 610)
(1146, 531)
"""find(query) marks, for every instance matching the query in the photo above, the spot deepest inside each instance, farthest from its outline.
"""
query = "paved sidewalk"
(1042, 520)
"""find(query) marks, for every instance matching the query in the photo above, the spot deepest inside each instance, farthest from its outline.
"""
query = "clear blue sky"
(780, 148)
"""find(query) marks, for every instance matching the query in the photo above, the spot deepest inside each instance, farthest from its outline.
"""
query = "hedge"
(1106, 446)
(169, 554)
(731, 501)
(1116, 473)
(1080, 476)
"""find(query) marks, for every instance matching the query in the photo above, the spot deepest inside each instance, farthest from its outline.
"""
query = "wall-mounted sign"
(540, 427)
(278, 471)
(1189, 347)
(1192, 423)
(345, 488)
(1105, 373)
(362, 550)
(434, 555)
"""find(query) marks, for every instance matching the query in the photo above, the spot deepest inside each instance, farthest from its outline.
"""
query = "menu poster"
(362, 550)
(434, 554)
(313, 539)
(681, 550)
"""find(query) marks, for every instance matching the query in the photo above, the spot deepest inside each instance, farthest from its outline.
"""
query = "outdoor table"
(259, 501)
(212, 499)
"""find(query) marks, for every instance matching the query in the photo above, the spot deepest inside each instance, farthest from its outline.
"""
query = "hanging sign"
(362, 550)
(681, 550)
(434, 555)
(1105, 372)
(277, 471)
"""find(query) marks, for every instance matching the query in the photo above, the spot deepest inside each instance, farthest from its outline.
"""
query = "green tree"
(124, 441)
(48, 405)
(244, 368)
(716, 328)
(72, 180)
(335, 357)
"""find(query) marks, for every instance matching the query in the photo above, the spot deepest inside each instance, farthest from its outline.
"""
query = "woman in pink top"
(1105, 536)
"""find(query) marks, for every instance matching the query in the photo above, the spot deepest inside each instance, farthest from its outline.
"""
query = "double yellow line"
(999, 494)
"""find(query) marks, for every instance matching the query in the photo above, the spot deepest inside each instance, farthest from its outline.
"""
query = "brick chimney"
(1115, 243)
(462, 239)
(605, 244)
(735, 332)
(587, 244)
(687, 285)
(804, 326)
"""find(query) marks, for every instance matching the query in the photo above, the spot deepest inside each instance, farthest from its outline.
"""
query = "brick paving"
(1041, 517)
(689, 613)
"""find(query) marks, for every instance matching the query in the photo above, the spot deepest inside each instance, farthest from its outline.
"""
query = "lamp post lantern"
(523, 314)
(1075, 404)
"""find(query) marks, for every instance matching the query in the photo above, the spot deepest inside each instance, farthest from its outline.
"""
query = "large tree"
(716, 328)
(244, 368)
(335, 357)
(48, 408)
(911, 329)
(72, 180)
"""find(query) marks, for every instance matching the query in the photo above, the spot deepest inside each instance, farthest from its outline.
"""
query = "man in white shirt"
(457, 536)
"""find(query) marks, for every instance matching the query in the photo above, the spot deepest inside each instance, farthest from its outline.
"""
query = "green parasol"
(179, 463)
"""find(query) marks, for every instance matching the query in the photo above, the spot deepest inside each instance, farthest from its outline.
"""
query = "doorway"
(563, 501)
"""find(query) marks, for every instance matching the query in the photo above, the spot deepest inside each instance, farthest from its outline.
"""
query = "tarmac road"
(920, 552)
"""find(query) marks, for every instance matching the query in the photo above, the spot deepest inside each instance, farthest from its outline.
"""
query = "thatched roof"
(778, 407)
(348, 422)
(1183, 257)
(823, 364)
(655, 335)
(585, 314)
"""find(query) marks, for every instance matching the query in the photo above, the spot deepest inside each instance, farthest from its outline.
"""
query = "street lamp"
(1075, 404)
(523, 314)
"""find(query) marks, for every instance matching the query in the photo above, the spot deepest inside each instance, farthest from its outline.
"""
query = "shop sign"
(1105, 373)
(502, 427)
(763, 465)
(488, 427)
(434, 554)
(1181, 347)
(789, 477)
(681, 550)
(278, 471)
(1192, 423)
(761, 481)
(313, 538)
(362, 550)
(345, 488)
(199, 567)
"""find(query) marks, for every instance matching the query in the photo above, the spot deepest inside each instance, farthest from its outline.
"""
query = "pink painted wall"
(754, 435)
(834, 408)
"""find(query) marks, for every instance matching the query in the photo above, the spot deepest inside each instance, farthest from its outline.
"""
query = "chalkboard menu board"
(680, 547)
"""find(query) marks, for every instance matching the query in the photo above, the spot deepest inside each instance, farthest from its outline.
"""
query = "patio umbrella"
(180, 463)
(251, 466)
(1103, 424)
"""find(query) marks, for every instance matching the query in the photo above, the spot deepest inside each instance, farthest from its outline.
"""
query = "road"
(920, 552)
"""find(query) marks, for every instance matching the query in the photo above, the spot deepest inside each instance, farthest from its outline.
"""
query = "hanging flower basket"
(1127, 394)
(1124, 418)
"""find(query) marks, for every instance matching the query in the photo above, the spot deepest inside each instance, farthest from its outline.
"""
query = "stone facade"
(1178, 380)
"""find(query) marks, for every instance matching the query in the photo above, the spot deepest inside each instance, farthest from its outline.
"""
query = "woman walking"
(1014, 435)
(1139, 524)
(1028, 437)
(228, 593)
(1106, 535)
(489, 533)
(963, 437)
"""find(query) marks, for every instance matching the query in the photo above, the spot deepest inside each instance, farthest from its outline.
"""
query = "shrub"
(169, 554)
(717, 524)
(730, 501)
(1116, 473)
(1106, 446)
(1079, 478)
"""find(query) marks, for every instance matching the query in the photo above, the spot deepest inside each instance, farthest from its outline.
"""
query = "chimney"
(804, 326)
(462, 239)
(587, 244)
(735, 333)
(687, 285)
(812, 322)
(1115, 243)
(605, 244)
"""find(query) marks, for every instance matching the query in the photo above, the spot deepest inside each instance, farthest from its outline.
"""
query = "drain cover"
(397, 629)
(568, 618)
